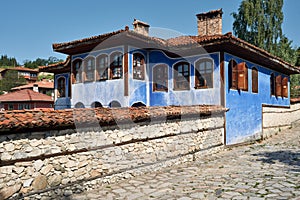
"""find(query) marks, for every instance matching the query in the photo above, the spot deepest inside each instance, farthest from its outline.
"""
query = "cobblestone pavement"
(266, 170)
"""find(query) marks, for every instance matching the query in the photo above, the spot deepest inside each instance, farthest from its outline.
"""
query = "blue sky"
(28, 28)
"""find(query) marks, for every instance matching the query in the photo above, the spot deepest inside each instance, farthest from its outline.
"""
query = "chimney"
(210, 23)
(36, 87)
(141, 27)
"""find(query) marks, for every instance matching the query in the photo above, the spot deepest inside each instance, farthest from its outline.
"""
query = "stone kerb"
(47, 163)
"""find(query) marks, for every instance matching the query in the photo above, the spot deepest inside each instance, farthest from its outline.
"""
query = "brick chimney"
(210, 23)
(141, 27)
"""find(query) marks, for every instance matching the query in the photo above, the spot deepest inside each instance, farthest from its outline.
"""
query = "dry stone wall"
(55, 163)
(276, 119)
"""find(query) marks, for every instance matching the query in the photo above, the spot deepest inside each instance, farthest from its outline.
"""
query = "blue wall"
(244, 119)
(193, 96)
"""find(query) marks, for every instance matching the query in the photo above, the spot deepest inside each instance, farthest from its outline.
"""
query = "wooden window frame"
(138, 69)
(61, 87)
(285, 88)
(116, 64)
(89, 69)
(233, 75)
(181, 81)
(278, 87)
(242, 76)
(102, 71)
(272, 84)
(254, 73)
(77, 71)
(205, 74)
(160, 78)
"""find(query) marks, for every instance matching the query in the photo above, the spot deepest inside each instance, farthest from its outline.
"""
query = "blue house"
(130, 68)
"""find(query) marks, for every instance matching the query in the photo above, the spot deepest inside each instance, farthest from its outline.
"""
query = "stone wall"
(54, 163)
(276, 119)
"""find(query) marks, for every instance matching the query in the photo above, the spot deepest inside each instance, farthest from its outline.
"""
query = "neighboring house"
(129, 68)
(44, 87)
(29, 74)
(25, 99)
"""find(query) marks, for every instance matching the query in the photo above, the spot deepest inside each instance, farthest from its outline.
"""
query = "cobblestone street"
(266, 170)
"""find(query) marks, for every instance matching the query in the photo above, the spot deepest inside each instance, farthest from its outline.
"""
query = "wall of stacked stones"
(276, 119)
(53, 163)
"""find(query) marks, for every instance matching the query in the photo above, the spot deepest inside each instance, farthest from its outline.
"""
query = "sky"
(29, 28)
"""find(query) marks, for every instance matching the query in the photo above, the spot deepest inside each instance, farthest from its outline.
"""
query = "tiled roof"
(40, 84)
(24, 69)
(175, 43)
(24, 95)
(55, 66)
(98, 38)
(21, 121)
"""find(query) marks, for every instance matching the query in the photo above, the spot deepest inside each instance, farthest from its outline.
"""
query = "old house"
(25, 100)
(29, 74)
(130, 68)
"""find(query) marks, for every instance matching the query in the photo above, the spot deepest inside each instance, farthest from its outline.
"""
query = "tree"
(10, 80)
(40, 62)
(6, 61)
(259, 22)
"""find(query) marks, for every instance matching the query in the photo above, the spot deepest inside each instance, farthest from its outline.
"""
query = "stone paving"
(266, 170)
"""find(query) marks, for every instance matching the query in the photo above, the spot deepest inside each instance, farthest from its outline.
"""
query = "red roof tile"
(24, 95)
(175, 42)
(29, 120)
(40, 84)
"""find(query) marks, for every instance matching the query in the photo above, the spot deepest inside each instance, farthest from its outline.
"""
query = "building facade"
(130, 68)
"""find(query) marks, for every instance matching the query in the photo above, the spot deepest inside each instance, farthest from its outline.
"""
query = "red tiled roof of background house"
(29, 120)
(40, 84)
(24, 96)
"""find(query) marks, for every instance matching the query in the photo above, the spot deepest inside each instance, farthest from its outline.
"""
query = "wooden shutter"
(242, 76)
(284, 89)
(278, 86)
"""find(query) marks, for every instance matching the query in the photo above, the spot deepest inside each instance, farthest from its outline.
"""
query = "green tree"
(40, 62)
(260, 23)
(6, 61)
(10, 80)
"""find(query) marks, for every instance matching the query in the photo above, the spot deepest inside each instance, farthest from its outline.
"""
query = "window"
(232, 74)
(96, 104)
(61, 87)
(89, 69)
(160, 78)
(284, 89)
(24, 106)
(79, 105)
(10, 106)
(204, 74)
(238, 75)
(116, 66)
(181, 76)
(272, 84)
(77, 71)
(114, 104)
(278, 86)
(102, 67)
(138, 66)
(254, 80)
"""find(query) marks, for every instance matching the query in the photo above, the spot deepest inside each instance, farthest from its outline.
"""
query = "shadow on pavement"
(286, 157)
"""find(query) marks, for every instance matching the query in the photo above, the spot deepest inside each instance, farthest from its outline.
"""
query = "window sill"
(181, 89)
(205, 87)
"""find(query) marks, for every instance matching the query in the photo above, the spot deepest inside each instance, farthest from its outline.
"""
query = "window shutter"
(242, 76)
(278, 85)
(284, 89)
